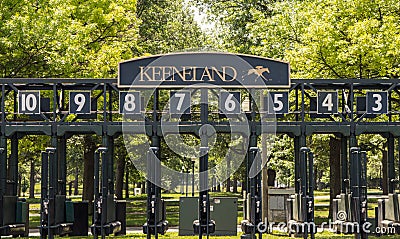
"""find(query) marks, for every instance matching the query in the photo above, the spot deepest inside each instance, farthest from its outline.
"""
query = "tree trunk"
(32, 180)
(88, 169)
(235, 188)
(244, 185)
(76, 189)
(228, 184)
(120, 172)
(385, 172)
(143, 187)
(127, 182)
(334, 163)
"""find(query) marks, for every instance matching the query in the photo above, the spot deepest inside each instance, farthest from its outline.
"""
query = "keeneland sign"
(216, 69)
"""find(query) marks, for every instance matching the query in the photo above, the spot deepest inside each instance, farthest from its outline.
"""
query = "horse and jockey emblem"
(258, 71)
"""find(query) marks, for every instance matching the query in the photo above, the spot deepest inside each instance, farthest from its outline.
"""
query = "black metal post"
(310, 195)
(97, 200)
(187, 183)
(204, 202)
(13, 167)
(390, 164)
(3, 156)
(303, 186)
(62, 165)
(193, 162)
(100, 187)
(44, 201)
(104, 191)
(48, 192)
(296, 163)
(358, 190)
(344, 163)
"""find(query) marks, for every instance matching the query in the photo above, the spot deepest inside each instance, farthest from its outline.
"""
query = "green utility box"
(69, 211)
(21, 216)
(223, 211)
(15, 217)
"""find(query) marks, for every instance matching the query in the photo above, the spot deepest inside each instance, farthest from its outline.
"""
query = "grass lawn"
(265, 236)
(136, 213)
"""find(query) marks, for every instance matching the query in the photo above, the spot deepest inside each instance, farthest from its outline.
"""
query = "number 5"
(279, 102)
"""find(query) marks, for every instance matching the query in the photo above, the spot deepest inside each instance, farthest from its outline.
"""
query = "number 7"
(181, 97)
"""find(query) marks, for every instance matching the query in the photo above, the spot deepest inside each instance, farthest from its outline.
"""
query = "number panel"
(180, 102)
(327, 102)
(28, 102)
(277, 103)
(79, 102)
(129, 102)
(229, 102)
(377, 102)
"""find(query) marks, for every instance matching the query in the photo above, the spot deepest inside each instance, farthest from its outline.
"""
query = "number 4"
(328, 102)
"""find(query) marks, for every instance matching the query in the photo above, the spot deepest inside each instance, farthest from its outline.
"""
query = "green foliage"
(320, 39)
(346, 39)
(167, 26)
(65, 38)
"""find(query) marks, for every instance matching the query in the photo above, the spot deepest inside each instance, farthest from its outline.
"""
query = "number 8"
(129, 104)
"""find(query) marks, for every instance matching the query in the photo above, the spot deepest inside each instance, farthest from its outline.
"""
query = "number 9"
(80, 100)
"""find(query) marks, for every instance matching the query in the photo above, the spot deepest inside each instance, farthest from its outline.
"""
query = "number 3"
(378, 102)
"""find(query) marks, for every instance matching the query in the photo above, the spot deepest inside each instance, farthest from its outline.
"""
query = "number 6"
(230, 104)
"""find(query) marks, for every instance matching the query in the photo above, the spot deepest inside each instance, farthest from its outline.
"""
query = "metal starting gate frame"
(344, 107)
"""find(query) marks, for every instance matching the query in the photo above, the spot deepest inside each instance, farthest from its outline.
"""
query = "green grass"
(136, 208)
(265, 236)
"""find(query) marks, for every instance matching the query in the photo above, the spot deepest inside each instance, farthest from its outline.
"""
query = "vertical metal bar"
(13, 167)
(149, 190)
(104, 192)
(3, 155)
(390, 164)
(204, 202)
(44, 195)
(344, 162)
(62, 165)
(355, 184)
(364, 198)
(311, 187)
(155, 142)
(193, 178)
(302, 103)
(296, 163)
(303, 188)
(105, 103)
(3, 152)
(52, 164)
(110, 156)
(110, 103)
(97, 204)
